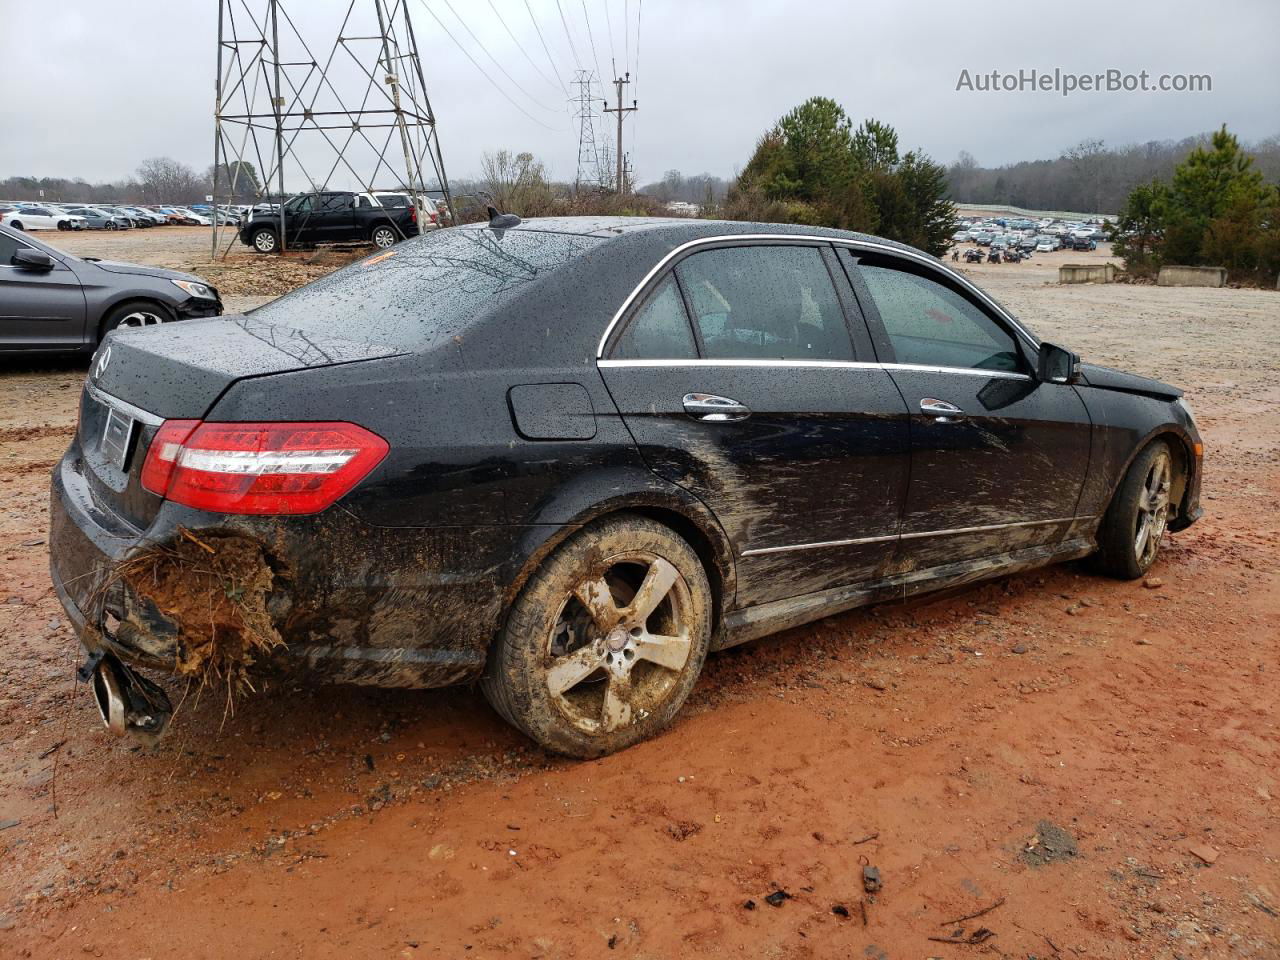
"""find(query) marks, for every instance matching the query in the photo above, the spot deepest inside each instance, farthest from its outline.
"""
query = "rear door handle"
(709, 407)
(940, 410)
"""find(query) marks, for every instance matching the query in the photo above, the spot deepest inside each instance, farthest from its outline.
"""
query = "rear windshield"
(426, 288)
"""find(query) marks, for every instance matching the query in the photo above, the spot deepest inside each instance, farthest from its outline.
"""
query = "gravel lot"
(1101, 759)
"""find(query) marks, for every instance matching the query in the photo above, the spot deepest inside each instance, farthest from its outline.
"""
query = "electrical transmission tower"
(286, 121)
(622, 112)
(589, 173)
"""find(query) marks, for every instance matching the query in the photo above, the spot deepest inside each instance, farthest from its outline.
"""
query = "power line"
(572, 49)
(482, 69)
(481, 45)
(626, 36)
(545, 48)
(521, 46)
(592, 38)
(635, 123)
(613, 57)
(639, 11)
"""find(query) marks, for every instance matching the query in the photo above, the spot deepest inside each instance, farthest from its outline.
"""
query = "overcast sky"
(92, 87)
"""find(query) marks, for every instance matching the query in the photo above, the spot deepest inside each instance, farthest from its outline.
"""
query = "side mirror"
(1057, 364)
(28, 259)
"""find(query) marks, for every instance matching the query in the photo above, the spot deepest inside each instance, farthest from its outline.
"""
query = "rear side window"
(928, 323)
(659, 330)
(765, 302)
(426, 288)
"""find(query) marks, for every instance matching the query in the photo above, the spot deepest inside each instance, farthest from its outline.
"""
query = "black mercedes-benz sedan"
(569, 457)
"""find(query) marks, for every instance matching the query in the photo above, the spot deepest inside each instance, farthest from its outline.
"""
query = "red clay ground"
(930, 741)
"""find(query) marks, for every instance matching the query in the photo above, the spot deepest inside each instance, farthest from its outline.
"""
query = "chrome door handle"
(940, 410)
(707, 406)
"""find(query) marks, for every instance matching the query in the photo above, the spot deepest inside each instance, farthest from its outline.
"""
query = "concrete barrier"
(1087, 273)
(1174, 276)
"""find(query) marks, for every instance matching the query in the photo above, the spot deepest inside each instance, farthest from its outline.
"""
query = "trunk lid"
(140, 378)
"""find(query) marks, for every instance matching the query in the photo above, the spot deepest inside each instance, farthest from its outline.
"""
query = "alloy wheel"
(1153, 510)
(264, 241)
(620, 643)
(140, 318)
(384, 237)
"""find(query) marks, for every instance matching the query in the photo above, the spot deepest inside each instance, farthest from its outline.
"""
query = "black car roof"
(677, 230)
(579, 299)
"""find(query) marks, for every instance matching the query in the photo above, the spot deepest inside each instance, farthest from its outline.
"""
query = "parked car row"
(1041, 236)
(26, 215)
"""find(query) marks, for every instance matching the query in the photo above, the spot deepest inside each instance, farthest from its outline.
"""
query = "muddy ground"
(1100, 759)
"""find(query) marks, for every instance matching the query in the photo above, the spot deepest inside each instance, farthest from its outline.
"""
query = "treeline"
(1089, 177)
(157, 180)
(701, 188)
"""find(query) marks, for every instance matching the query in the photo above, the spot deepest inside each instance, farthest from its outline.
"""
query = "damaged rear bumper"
(328, 596)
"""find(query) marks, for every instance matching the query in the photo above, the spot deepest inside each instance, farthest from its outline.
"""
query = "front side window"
(8, 247)
(931, 324)
(659, 330)
(765, 302)
(300, 205)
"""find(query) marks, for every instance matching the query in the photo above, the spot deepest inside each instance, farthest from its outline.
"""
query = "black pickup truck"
(334, 216)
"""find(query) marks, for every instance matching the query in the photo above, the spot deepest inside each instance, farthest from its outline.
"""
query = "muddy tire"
(606, 640)
(1135, 522)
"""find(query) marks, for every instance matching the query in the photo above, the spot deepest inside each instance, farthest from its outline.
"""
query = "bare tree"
(1089, 163)
(165, 180)
(516, 183)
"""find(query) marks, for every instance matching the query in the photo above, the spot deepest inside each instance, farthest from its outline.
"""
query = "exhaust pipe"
(128, 702)
(109, 696)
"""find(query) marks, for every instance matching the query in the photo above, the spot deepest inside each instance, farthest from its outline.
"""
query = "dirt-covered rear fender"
(634, 489)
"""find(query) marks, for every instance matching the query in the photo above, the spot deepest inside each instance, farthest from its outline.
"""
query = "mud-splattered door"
(998, 458)
(764, 411)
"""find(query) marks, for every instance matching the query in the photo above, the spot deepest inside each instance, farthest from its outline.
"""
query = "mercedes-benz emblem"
(103, 359)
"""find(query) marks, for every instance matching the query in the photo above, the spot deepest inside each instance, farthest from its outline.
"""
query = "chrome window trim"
(758, 551)
(843, 364)
(809, 238)
(137, 413)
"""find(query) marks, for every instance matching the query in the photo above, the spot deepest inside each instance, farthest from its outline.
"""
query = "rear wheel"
(383, 236)
(605, 641)
(264, 240)
(1134, 525)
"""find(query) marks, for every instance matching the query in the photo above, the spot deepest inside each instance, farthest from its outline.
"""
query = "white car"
(1047, 245)
(195, 215)
(42, 218)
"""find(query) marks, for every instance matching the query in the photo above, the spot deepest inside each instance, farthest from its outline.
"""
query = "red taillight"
(413, 213)
(259, 468)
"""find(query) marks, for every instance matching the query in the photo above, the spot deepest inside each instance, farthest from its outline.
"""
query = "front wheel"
(1133, 527)
(606, 641)
(383, 237)
(264, 240)
(138, 314)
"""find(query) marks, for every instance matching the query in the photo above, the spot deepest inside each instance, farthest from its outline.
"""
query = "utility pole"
(622, 112)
